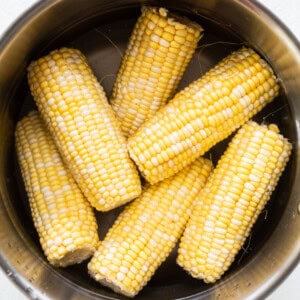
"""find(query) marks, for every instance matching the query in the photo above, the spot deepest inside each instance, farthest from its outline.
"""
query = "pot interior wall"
(103, 37)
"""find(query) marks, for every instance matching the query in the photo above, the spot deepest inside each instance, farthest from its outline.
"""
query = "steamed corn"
(204, 113)
(158, 52)
(63, 218)
(84, 128)
(233, 197)
(147, 230)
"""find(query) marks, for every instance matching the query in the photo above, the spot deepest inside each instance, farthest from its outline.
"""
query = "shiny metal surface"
(273, 249)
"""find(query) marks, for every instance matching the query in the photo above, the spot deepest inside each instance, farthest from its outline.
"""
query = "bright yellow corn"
(201, 115)
(84, 128)
(63, 218)
(232, 199)
(147, 230)
(159, 50)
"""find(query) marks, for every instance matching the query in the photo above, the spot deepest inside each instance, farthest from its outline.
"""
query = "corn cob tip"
(112, 285)
(274, 128)
(181, 22)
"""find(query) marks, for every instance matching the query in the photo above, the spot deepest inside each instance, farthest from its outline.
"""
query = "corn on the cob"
(202, 114)
(232, 199)
(159, 50)
(147, 230)
(63, 218)
(84, 128)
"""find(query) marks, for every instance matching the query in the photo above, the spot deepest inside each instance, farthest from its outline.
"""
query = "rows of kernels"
(232, 199)
(84, 128)
(62, 216)
(146, 231)
(201, 115)
(158, 53)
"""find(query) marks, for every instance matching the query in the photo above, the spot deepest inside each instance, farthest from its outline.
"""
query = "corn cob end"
(116, 287)
(74, 257)
(181, 22)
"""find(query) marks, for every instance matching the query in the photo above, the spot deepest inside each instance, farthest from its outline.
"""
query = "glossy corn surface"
(63, 218)
(159, 50)
(147, 230)
(233, 197)
(204, 113)
(84, 127)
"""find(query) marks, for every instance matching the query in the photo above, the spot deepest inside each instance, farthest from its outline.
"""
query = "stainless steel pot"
(273, 248)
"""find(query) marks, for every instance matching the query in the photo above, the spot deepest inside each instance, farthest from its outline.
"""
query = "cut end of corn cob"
(159, 50)
(233, 197)
(84, 127)
(204, 113)
(63, 218)
(147, 230)
(74, 257)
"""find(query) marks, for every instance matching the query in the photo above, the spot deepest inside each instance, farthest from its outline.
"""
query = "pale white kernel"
(220, 230)
(236, 91)
(155, 38)
(236, 222)
(152, 242)
(155, 69)
(271, 92)
(49, 243)
(254, 178)
(122, 191)
(212, 255)
(103, 270)
(170, 109)
(51, 63)
(262, 100)
(101, 201)
(267, 175)
(243, 202)
(154, 161)
(239, 211)
(208, 86)
(250, 186)
(51, 101)
(265, 152)
(123, 269)
(229, 241)
(203, 133)
(164, 43)
(68, 241)
(247, 72)
(151, 25)
(126, 228)
(120, 276)
(138, 227)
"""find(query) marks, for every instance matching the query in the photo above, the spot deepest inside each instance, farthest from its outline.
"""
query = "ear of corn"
(159, 50)
(232, 199)
(147, 230)
(201, 115)
(84, 128)
(62, 216)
